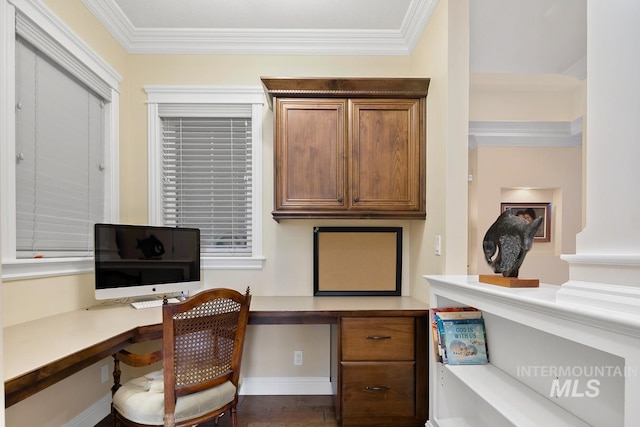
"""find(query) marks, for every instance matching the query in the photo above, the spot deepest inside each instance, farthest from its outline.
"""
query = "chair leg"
(116, 420)
(234, 417)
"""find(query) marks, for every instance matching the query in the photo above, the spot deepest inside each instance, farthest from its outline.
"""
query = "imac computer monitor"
(141, 260)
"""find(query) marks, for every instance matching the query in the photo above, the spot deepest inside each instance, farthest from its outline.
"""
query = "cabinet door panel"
(378, 389)
(310, 140)
(385, 160)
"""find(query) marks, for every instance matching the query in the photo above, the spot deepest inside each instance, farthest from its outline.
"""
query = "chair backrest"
(203, 339)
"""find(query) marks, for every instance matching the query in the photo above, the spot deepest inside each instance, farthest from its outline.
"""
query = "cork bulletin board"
(357, 261)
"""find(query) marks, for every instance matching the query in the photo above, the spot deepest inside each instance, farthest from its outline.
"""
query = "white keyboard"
(152, 303)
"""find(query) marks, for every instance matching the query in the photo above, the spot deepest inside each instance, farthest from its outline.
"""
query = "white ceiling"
(506, 36)
(528, 36)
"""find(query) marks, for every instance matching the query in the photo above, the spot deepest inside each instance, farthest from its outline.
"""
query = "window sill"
(18, 269)
(232, 263)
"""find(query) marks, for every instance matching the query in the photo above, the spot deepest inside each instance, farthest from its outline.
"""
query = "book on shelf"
(458, 335)
(437, 314)
(464, 341)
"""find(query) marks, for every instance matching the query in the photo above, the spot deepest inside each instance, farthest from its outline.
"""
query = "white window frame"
(160, 94)
(43, 17)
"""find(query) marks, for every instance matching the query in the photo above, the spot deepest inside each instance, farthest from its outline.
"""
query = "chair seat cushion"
(141, 400)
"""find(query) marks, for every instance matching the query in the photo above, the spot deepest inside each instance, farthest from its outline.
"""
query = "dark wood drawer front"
(378, 389)
(378, 338)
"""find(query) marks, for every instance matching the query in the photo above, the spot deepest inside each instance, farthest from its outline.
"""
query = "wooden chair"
(203, 339)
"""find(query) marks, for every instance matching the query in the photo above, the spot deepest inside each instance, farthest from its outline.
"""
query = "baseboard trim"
(260, 386)
(93, 414)
(264, 386)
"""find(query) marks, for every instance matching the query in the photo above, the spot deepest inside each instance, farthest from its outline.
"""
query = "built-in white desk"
(42, 352)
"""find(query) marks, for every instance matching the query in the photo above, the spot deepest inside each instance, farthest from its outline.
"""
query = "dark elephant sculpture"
(511, 237)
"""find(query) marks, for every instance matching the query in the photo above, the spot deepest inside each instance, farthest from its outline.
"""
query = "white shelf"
(529, 327)
(516, 402)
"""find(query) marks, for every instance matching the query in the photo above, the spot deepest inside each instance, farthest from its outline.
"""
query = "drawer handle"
(378, 337)
(377, 388)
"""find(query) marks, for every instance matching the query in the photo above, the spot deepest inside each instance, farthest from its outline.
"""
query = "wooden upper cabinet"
(348, 148)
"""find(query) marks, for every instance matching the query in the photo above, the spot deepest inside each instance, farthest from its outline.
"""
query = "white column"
(605, 271)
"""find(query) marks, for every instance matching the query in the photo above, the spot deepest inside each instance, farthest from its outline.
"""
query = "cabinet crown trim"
(359, 87)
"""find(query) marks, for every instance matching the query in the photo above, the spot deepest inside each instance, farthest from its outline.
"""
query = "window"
(205, 152)
(58, 149)
(59, 166)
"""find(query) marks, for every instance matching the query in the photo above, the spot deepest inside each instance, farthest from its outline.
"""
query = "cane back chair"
(203, 339)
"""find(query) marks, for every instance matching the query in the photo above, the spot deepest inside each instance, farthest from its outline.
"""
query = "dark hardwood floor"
(276, 411)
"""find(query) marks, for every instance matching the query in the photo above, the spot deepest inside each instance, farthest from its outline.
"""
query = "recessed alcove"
(527, 162)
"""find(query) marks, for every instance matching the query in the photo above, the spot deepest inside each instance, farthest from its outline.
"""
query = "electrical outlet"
(104, 373)
(297, 357)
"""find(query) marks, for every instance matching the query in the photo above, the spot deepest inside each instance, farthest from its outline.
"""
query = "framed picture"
(530, 211)
(357, 261)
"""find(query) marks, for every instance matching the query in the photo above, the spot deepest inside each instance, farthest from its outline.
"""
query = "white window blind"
(59, 149)
(207, 174)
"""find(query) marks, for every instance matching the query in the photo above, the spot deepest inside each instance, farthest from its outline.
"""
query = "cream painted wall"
(441, 54)
(552, 175)
(238, 70)
(287, 245)
(57, 405)
(525, 97)
(456, 159)
(25, 300)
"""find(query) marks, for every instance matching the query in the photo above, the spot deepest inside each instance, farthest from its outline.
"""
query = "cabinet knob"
(356, 199)
(340, 199)
(377, 388)
(378, 337)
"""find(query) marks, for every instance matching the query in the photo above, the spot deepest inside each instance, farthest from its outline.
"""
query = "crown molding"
(264, 41)
(525, 134)
(415, 21)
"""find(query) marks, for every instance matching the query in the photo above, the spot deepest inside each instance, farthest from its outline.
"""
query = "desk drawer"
(378, 338)
(371, 389)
